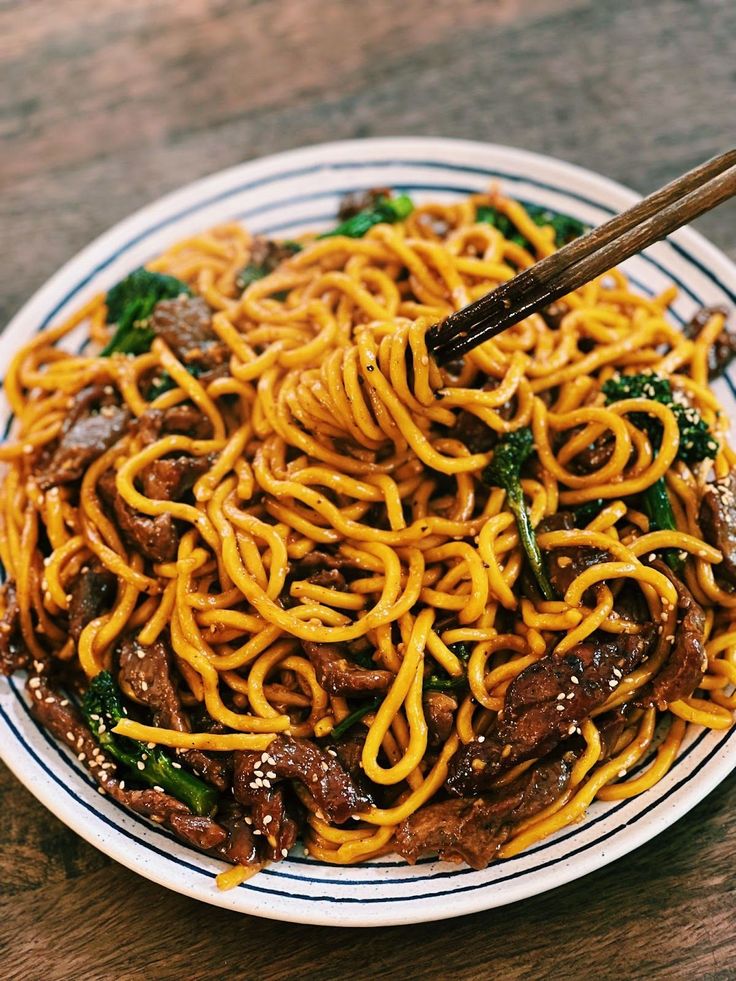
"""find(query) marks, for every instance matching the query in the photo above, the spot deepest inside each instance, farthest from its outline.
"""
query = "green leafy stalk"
(434, 683)
(349, 721)
(585, 513)
(696, 441)
(504, 471)
(565, 227)
(102, 708)
(130, 304)
(385, 211)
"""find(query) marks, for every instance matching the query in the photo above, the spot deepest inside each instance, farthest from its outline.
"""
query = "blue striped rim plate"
(283, 195)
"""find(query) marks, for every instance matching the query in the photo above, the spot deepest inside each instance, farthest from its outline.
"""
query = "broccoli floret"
(696, 441)
(130, 304)
(102, 708)
(385, 211)
(504, 471)
(565, 228)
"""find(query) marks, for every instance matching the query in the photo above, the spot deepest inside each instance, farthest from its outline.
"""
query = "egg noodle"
(335, 430)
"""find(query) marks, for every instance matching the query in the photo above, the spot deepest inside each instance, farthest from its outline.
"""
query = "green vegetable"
(585, 513)
(349, 721)
(384, 211)
(463, 649)
(164, 383)
(102, 708)
(566, 228)
(696, 441)
(258, 270)
(130, 304)
(435, 683)
(504, 471)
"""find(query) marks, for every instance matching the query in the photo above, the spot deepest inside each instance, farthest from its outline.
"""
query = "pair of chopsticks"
(648, 221)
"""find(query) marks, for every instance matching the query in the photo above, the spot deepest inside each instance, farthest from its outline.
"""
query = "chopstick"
(591, 255)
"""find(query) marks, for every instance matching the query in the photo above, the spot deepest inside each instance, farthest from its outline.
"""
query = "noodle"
(328, 430)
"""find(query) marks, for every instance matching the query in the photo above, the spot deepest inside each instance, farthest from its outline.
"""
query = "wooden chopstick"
(591, 255)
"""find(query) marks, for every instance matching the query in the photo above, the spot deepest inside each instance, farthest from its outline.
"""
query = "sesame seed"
(268, 819)
(561, 696)
(39, 695)
(272, 775)
(571, 730)
(325, 767)
(249, 821)
(64, 702)
(34, 682)
(570, 695)
(575, 680)
(159, 789)
(70, 736)
(258, 773)
(151, 745)
(141, 655)
(612, 683)
(144, 686)
(141, 765)
(100, 790)
(81, 757)
(617, 672)
(253, 785)
(560, 708)
(102, 727)
(284, 852)
(267, 784)
(49, 700)
(122, 785)
(621, 773)
(177, 766)
(481, 739)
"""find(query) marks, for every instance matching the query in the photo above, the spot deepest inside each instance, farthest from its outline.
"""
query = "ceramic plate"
(282, 196)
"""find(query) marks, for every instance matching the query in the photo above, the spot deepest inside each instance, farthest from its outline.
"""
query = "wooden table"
(104, 106)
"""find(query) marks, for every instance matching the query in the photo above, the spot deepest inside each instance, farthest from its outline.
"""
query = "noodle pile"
(334, 431)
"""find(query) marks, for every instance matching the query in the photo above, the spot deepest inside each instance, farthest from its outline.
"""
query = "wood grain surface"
(106, 105)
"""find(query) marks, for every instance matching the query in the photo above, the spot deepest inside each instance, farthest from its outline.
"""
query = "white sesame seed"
(102, 728)
(571, 730)
(621, 773)
(177, 766)
(617, 673)
(151, 745)
(481, 739)
(100, 790)
(258, 773)
(249, 821)
(575, 680)
(561, 696)
(325, 767)
(122, 785)
(271, 774)
(560, 708)
(159, 789)
(64, 702)
(141, 655)
(141, 765)
(70, 736)
(284, 852)
(144, 686)
(39, 695)
(257, 832)
(570, 695)
(253, 786)
(267, 784)
(268, 819)
(34, 682)
(81, 757)
(612, 683)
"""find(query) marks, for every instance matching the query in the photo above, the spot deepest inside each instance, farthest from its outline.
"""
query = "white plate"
(284, 195)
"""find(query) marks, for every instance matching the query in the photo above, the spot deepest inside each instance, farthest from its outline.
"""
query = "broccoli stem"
(349, 721)
(658, 508)
(103, 709)
(517, 504)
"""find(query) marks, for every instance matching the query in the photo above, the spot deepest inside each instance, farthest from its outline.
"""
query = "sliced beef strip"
(723, 351)
(276, 819)
(171, 478)
(683, 670)
(185, 325)
(338, 675)
(92, 594)
(543, 706)
(184, 419)
(322, 775)
(595, 456)
(267, 254)
(229, 837)
(472, 829)
(322, 560)
(13, 652)
(94, 423)
(156, 538)
(439, 711)
(145, 676)
(329, 579)
(353, 204)
(717, 520)
(565, 564)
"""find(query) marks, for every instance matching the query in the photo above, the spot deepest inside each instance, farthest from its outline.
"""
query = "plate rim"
(196, 191)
